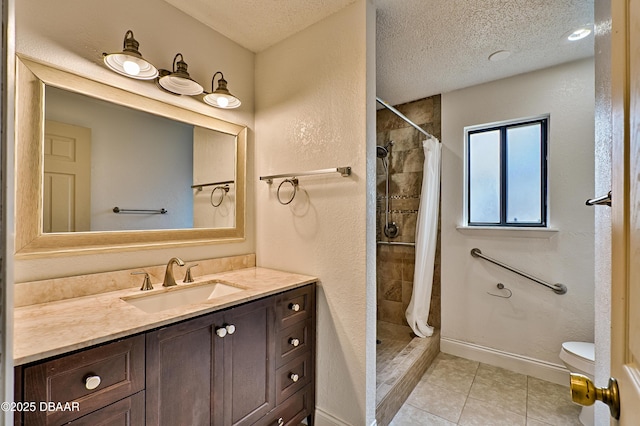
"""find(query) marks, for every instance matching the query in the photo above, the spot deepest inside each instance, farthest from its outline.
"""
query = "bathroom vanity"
(241, 359)
(235, 347)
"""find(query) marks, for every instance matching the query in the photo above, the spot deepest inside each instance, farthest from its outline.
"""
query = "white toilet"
(579, 357)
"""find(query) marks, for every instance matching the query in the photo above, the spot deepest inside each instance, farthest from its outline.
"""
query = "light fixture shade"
(130, 62)
(221, 97)
(178, 81)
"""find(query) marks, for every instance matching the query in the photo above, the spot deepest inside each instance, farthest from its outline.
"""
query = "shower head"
(381, 151)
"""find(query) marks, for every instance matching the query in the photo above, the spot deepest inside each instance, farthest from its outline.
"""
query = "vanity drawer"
(292, 377)
(295, 306)
(71, 379)
(126, 412)
(293, 341)
(292, 411)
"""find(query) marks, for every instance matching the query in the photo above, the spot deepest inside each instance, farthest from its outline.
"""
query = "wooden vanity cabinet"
(252, 364)
(215, 369)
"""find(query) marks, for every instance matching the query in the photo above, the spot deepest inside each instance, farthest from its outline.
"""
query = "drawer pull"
(294, 377)
(221, 332)
(231, 329)
(294, 342)
(91, 382)
(280, 421)
(294, 307)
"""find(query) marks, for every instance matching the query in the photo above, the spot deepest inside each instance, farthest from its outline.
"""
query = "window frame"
(502, 127)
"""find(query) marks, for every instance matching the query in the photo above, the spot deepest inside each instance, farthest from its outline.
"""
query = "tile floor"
(457, 391)
(393, 339)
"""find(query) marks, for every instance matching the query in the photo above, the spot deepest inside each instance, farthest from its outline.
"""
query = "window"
(507, 174)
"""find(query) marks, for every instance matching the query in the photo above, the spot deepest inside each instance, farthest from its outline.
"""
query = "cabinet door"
(180, 375)
(248, 369)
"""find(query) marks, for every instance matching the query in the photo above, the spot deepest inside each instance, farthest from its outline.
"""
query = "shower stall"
(401, 357)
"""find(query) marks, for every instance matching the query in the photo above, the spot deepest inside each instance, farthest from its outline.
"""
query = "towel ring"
(294, 184)
(224, 190)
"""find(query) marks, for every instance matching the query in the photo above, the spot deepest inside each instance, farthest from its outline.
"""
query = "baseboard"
(548, 371)
(322, 418)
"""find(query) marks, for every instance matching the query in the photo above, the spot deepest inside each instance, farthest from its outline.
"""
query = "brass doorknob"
(585, 392)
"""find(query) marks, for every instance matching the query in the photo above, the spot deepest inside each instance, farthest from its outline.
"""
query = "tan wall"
(395, 264)
(535, 321)
(315, 110)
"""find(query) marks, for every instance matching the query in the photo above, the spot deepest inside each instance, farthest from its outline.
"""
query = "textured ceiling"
(424, 47)
(258, 24)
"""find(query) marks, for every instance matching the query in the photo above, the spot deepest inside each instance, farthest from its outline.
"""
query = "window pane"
(484, 177)
(524, 174)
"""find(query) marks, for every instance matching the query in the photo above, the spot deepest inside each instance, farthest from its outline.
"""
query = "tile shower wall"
(395, 264)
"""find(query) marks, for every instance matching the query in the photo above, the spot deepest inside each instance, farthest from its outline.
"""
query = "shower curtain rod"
(401, 115)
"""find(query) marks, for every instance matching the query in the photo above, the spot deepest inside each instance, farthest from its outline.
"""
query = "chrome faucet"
(169, 280)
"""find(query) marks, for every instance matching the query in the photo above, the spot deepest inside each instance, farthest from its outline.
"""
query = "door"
(623, 392)
(625, 265)
(67, 178)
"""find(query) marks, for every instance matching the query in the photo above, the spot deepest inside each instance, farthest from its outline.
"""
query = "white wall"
(534, 322)
(72, 35)
(315, 110)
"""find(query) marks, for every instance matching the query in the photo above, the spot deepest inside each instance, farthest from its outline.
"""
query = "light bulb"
(131, 68)
(223, 102)
(579, 34)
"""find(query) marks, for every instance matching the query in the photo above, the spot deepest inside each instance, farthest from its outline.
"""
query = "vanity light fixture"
(178, 82)
(221, 97)
(130, 62)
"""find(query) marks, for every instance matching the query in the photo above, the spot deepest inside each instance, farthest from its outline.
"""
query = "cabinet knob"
(294, 377)
(221, 332)
(294, 341)
(294, 307)
(231, 329)
(91, 382)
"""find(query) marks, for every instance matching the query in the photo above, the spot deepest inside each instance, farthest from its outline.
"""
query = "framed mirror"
(177, 180)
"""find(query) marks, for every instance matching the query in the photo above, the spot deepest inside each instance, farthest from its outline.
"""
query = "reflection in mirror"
(99, 155)
(192, 166)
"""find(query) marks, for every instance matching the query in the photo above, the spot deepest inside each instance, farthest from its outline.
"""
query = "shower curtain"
(426, 235)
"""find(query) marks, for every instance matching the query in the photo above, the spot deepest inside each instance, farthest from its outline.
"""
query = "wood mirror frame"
(30, 241)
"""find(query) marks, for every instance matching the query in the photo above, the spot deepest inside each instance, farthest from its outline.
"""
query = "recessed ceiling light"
(499, 55)
(579, 34)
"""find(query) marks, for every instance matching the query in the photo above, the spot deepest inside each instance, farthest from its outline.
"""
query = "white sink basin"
(179, 296)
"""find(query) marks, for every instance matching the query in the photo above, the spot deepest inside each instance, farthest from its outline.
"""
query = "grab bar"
(557, 288)
(395, 243)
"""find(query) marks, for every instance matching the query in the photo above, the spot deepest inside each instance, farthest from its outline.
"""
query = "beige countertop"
(49, 329)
